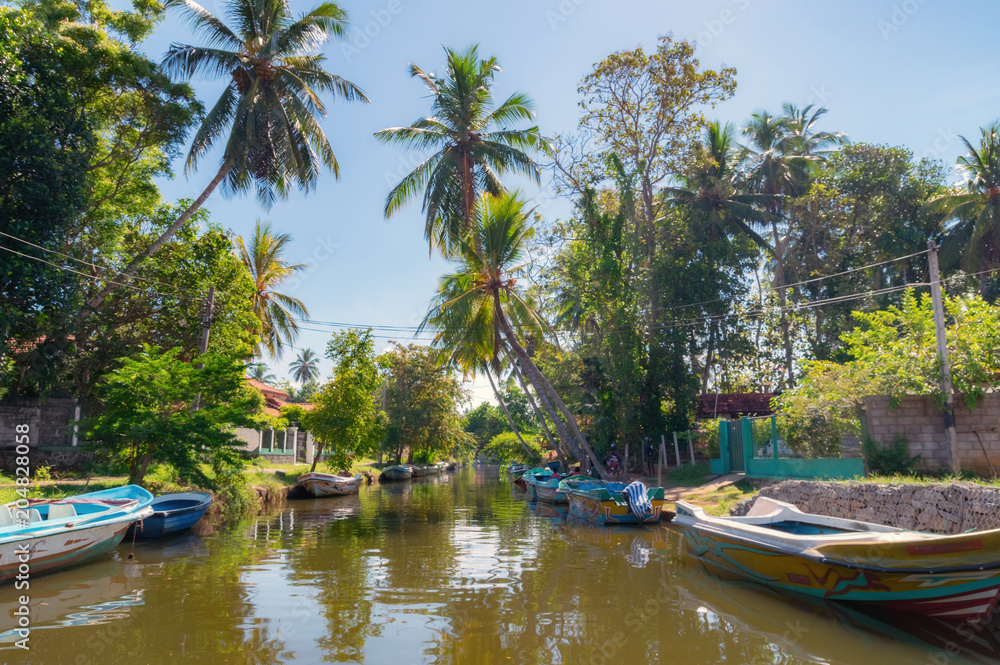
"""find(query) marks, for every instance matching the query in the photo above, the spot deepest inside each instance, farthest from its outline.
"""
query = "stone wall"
(952, 508)
(919, 419)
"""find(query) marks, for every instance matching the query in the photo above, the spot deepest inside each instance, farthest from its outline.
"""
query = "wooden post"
(677, 450)
(691, 446)
(625, 469)
(942, 348)
(774, 436)
(659, 462)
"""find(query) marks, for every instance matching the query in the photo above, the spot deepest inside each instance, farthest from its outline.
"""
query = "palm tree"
(260, 372)
(976, 211)
(473, 142)
(276, 311)
(267, 113)
(305, 368)
(802, 139)
(481, 304)
(710, 191)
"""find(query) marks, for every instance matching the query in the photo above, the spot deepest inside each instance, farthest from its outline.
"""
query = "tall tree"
(261, 372)
(305, 367)
(276, 311)
(482, 295)
(975, 213)
(267, 112)
(345, 418)
(474, 146)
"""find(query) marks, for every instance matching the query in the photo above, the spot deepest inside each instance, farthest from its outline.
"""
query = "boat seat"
(61, 510)
(5, 517)
(34, 516)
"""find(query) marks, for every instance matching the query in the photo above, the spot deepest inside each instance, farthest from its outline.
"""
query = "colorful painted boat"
(395, 473)
(173, 513)
(326, 484)
(953, 578)
(47, 534)
(542, 486)
(604, 502)
(515, 471)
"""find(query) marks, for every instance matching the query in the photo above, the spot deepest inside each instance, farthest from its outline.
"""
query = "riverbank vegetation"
(778, 256)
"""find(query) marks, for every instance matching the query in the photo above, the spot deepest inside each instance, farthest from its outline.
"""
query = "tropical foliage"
(475, 146)
(344, 418)
(269, 270)
(148, 415)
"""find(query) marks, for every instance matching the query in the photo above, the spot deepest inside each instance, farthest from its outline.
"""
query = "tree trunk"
(319, 451)
(95, 303)
(540, 416)
(510, 421)
(543, 386)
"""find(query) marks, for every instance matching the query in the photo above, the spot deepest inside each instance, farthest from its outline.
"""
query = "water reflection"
(442, 571)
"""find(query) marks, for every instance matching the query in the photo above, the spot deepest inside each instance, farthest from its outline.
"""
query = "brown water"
(444, 570)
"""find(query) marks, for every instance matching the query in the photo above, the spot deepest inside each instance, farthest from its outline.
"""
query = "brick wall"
(919, 419)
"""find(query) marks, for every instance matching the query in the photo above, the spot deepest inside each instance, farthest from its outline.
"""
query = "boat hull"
(168, 521)
(964, 595)
(609, 511)
(322, 485)
(395, 474)
(56, 551)
(952, 578)
(544, 488)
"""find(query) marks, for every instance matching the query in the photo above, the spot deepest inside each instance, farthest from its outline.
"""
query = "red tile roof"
(733, 404)
(274, 399)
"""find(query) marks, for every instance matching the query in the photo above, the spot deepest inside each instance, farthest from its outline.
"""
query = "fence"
(757, 447)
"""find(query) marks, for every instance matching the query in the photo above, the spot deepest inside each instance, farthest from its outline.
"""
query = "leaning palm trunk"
(556, 446)
(582, 448)
(510, 421)
(95, 303)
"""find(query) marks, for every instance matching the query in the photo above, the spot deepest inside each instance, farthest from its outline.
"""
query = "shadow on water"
(453, 569)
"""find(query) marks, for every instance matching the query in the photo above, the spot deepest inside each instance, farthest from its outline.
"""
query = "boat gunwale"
(717, 526)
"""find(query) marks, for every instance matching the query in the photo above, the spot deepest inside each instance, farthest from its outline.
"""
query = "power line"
(86, 263)
(82, 274)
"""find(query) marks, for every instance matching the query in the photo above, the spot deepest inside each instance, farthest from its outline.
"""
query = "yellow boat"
(954, 578)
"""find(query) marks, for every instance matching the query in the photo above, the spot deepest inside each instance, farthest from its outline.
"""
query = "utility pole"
(206, 328)
(942, 349)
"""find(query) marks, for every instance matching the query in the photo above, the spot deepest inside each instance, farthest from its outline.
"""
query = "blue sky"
(916, 73)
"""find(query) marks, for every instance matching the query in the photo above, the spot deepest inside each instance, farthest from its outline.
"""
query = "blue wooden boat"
(173, 513)
(49, 534)
(541, 486)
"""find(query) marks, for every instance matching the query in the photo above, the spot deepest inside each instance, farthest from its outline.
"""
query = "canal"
(451, 570)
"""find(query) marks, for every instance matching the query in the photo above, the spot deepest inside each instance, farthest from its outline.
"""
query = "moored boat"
(326, 484)
(953, 578)
(395, 473)
(173, 513)
(515, 471)
(543, 487)
(611, 503)
(47, 534)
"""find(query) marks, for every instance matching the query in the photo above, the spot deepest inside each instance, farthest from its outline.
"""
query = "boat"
(451, 467)
(173, 513)
(56, 533)
(953, 577)
(327, 484)
(419, 471)
(606, 502)
(395, 473)
(543, 487)
(516, 470)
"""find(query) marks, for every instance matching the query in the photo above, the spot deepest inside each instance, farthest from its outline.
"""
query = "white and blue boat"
(48, 534)
(173, 513)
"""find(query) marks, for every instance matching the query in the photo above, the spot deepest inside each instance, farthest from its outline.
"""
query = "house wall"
(50, 432)
(919, 419)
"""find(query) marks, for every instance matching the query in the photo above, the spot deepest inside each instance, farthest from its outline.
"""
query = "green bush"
(888, 460)
(504, 448)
